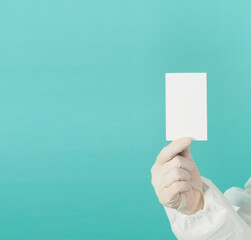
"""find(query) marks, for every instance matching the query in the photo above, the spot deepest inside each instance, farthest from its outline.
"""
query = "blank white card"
(186, 105)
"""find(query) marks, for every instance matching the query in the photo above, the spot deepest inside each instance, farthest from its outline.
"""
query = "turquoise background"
(82, 110)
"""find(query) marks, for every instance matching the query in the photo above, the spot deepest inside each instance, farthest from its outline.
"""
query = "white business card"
(186, 105)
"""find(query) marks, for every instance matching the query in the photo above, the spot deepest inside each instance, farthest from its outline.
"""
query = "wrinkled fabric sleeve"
(241, 201)
(217, 220)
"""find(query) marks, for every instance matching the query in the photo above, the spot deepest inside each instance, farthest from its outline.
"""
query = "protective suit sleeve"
(217, 220)
(241, 200)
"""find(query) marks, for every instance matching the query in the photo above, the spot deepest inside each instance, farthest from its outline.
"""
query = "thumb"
(174, 148)
(186, 152)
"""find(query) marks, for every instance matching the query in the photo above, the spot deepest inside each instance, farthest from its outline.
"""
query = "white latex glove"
(176, 179)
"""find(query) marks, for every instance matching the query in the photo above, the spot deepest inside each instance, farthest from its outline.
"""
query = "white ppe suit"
(218, 220)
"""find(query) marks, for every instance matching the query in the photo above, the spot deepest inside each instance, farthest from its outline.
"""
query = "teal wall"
(82, 110)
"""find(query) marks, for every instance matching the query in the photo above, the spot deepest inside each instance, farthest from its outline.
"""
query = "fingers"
(175, 175)
(177, 162)
(160, 172)
(174, 148)
(171, 179)
(170, 196)
(171, 172)
(178, 187)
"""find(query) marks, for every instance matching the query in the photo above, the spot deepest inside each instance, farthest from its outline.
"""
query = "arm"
(195, 212)
(241, 200)
(217, 220)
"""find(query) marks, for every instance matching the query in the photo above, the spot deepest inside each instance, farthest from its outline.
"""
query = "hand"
(176, 178)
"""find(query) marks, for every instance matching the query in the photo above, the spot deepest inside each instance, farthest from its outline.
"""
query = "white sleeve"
(241, 200)
(217, 220)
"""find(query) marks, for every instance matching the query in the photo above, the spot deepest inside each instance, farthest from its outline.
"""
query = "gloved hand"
(176, 178)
